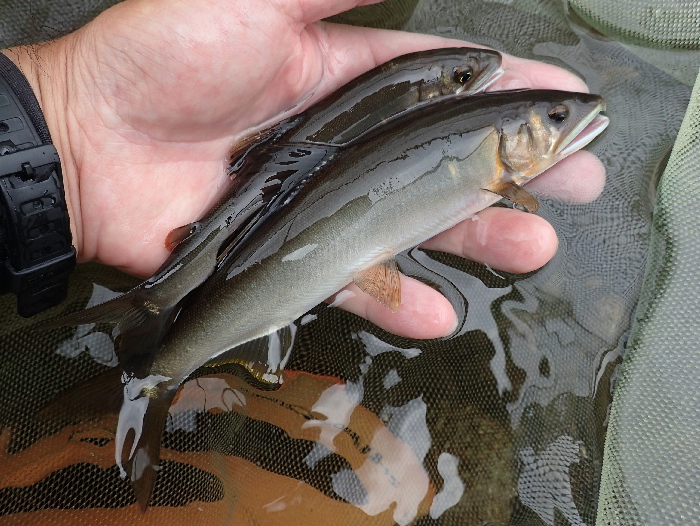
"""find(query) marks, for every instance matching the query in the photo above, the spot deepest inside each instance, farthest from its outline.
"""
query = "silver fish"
(381, 94)
(270, 166)
(414, 178)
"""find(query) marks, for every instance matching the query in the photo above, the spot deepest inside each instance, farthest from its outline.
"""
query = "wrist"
(44, 67)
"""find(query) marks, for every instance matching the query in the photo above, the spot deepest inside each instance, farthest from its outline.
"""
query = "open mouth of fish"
(586, 130)
(487, 79)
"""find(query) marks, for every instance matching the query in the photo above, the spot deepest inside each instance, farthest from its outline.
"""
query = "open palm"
(145, 102)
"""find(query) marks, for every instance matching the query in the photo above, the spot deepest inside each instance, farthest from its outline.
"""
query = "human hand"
(144, 103)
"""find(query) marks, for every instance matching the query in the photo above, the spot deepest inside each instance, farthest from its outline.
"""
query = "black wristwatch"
(36, 251)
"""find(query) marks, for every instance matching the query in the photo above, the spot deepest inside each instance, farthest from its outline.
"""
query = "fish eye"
(463, 75)
(558, 113)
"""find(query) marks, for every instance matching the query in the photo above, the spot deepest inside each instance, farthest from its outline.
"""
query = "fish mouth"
(584, 132)
(486, 79)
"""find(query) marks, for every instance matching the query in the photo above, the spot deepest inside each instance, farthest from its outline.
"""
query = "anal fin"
(382, 282)
(516, 194)
(263, 358)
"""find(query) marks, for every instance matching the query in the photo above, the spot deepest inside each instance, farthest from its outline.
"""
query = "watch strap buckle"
(40, 255)
(41, 286)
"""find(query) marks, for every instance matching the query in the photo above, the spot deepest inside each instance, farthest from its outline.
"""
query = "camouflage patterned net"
(505, 423)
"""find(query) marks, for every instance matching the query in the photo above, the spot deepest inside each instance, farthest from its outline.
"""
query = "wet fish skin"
(363, 104)
(358, 107)
(420, 175)
(334, 120)
(265, 166)
(383, 93)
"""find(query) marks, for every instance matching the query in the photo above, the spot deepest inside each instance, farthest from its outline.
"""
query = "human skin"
(144, 103)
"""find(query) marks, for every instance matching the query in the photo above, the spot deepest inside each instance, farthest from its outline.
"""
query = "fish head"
(540, 133)
(473, 73)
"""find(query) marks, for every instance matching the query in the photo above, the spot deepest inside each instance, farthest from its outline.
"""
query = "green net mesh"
(674, 24)
(505, 423)
(652, 469)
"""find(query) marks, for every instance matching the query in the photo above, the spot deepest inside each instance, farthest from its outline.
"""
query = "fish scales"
(383, 93)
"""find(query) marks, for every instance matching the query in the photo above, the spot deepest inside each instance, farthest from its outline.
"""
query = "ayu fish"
(270, 165)
(416, 177)
(381, 94)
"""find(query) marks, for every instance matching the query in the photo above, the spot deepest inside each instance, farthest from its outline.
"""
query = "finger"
(424, 313)
(501, 238)
(579, 178)
(522, 73)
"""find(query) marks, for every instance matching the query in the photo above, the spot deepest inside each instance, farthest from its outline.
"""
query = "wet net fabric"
(672, 24)
(393, 14)
(33, 22)
(652, 470)
(506, 422)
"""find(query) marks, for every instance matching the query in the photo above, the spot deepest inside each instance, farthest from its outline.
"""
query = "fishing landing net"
(652, 470)
(513, 421)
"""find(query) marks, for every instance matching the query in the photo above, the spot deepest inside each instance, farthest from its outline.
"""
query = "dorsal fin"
(99, 395)
(242, 147)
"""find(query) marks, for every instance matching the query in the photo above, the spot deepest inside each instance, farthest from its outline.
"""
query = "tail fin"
(141, 422)
(141, 322)
(122, 309)
(143, 406)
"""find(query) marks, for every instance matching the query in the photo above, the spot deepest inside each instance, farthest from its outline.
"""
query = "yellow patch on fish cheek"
(500, 173)
(517, 146)
(520, 157)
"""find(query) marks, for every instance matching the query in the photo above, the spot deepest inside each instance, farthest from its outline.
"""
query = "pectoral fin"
(382, 282)
(515, 193)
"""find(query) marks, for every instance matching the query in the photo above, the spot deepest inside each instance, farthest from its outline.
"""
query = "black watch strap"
(36, 252)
